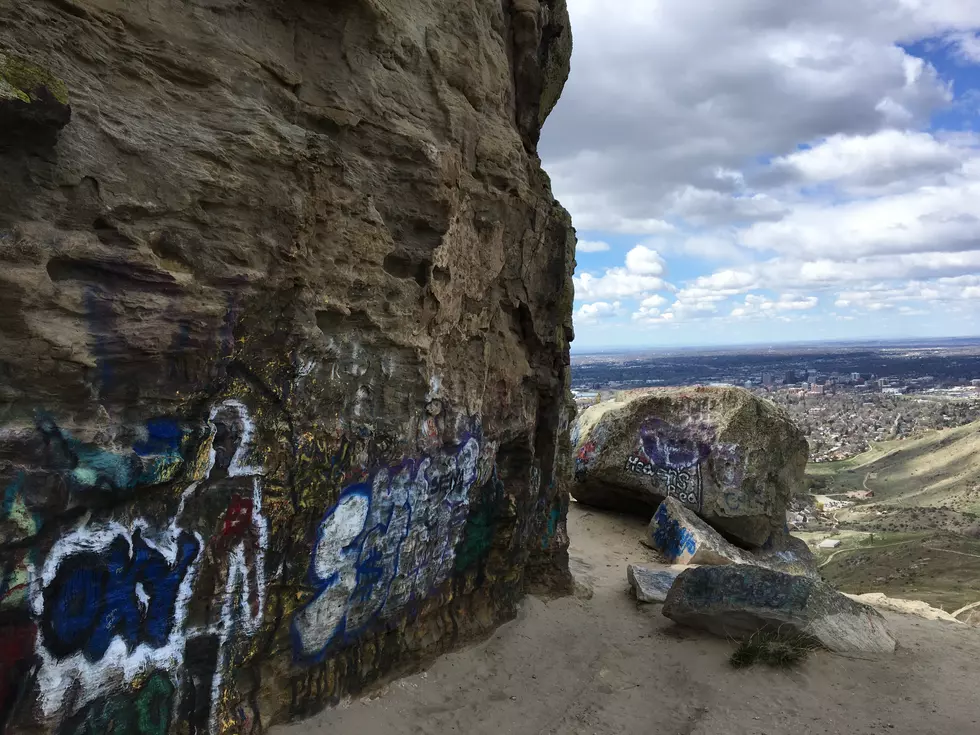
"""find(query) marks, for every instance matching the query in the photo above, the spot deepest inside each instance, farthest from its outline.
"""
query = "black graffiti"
(681, 483)
(200, 663)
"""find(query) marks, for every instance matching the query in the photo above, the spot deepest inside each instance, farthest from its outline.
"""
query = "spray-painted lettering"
(384, 545)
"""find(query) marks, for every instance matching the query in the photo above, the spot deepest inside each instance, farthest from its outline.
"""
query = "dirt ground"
(607, 665)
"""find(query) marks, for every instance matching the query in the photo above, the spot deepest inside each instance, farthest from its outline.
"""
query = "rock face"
(731, 457)
(736, 601)
(683, 538)
(284, 321)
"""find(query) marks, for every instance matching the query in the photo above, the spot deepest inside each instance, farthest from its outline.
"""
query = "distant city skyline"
(640, 347)
(757, 170)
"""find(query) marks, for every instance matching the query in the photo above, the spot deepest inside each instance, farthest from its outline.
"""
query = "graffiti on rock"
(386, 543)
(15, 578)
(116, 586)
(154, 458)
(762, 588)
(16, 523)
(589, 449)
(676, 456)
(111, 603)
(17, 665)
(114, 601)
(145, 710)
(481, 525)
(670, 537)
(683, 484)
(231, 584)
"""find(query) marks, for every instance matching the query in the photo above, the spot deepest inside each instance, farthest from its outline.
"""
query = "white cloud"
(593, 313)
(645, 261)
(615, 282)
(887, 157)
(591, 246)
(653, 302)
(933, 218)
(787, 144)
(707, 207)
(669, 98)
(758, 305)
(967, 46)
(641, 276)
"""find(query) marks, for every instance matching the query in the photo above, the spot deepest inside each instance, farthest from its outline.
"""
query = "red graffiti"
(16, 660)
(587, 451)
(238, 517)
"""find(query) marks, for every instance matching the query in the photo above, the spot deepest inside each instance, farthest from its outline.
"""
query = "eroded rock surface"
(731, 457)
(284, 322)
(736, 601)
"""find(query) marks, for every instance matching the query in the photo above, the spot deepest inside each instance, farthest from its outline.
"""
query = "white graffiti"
(86, 638)
(385, 545)
(113, 601)
(243, 604)
(683, 484)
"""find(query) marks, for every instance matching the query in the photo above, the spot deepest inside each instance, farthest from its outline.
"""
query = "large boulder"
(737, 601)
(731, 457)
(683, 538)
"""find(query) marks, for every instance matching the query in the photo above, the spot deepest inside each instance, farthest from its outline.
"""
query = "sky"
(766, 171)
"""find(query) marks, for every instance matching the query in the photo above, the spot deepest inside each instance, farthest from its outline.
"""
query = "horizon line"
(788, 343)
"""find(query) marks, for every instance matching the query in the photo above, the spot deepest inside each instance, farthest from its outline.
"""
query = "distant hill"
(938, 470)
(918, 537)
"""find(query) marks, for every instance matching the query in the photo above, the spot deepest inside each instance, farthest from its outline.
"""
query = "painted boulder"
(732, 458)
(737, 601)
(683, 538)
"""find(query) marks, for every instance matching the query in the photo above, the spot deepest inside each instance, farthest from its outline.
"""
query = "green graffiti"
(146, 713)
(481, 526)
(153, 705)
(549, 533)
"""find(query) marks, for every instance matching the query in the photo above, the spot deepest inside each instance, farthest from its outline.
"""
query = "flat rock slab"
(737, 601)
(729, 456)
(652, 582)
(684, 538)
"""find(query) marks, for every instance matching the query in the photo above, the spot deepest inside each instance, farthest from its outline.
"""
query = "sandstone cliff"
(285, 307)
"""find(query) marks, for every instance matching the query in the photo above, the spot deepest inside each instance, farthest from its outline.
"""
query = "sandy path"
(606, 665)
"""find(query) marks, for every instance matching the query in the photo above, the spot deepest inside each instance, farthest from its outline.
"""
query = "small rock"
(651, 582)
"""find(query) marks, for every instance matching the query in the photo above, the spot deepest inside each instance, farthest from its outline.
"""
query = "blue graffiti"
(385, 544)
(152, 460)
(128, 590)
(163, 436)
(670, 537)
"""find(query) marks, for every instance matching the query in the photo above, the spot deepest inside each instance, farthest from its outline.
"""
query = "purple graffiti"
(666, 445)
